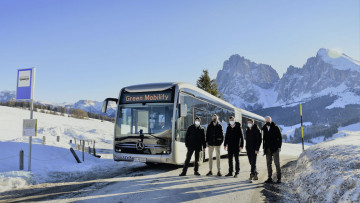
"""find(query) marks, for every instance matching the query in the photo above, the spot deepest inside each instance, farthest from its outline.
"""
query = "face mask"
(197, 123)
(232, 122)
(268, 123)
(250, 125)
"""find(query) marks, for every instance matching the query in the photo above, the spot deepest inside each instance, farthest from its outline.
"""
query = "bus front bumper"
(166, 158)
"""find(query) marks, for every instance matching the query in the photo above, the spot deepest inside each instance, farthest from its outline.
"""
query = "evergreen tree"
(209, 85)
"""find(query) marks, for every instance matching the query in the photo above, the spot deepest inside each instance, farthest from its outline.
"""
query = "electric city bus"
(151, 120)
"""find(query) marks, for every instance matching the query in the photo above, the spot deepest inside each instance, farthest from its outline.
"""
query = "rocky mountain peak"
(253, 85)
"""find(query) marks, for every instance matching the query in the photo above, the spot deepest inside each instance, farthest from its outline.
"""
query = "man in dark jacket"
(253, 142)
(195, 142)
(272, 147)
(234, 142)
(214, 138)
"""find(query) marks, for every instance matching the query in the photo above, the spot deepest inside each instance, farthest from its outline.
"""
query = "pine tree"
(209, 85)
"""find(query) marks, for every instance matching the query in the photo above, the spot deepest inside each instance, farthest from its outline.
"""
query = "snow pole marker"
(302, 128)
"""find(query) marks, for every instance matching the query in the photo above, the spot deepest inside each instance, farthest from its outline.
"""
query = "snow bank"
(53, 162)
(15, 179)
(328, 172)
(49, 164)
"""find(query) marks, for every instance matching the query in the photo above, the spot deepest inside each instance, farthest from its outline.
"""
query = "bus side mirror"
(105, 103)
(104, 106)
(182, 110)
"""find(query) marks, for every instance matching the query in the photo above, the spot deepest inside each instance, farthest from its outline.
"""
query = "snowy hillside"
(326, 172)
(52, 162)
(255, 86)
(52, 126)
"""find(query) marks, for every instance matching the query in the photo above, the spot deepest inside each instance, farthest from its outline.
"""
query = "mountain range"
(327, 86)
(86, 105)
(253, 86)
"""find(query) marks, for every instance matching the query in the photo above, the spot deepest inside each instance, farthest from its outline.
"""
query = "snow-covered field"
(52, 126)
(327, 172)
(52, 162)
(290, 130)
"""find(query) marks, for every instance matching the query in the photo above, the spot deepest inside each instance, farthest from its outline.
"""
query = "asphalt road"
(158, 183)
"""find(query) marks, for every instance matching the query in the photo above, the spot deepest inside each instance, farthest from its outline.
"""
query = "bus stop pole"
(30, 137)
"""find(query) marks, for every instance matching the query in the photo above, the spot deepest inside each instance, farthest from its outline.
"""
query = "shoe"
(278, 181)
(196, 173)
(219, 174)
(236, 175)
(229, 174)
(269, 180)
(256, 177)
(209, 174)
(182, 174)
(251, 177)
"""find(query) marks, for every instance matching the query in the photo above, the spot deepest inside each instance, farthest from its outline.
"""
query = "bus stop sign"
(25, 84)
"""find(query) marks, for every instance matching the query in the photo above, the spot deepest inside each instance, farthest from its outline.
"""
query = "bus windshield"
(151, 118)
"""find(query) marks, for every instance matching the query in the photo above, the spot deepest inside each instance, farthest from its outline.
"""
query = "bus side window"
(244, 125)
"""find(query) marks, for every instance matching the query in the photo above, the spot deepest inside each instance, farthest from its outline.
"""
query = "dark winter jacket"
(214, 134)
(234, 138)
(253, 138)
(195, 138)
(272, 139)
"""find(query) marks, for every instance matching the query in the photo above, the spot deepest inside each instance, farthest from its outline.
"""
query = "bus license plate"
(137, 159)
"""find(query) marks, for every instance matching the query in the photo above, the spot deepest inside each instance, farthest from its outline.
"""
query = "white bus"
(151, 120)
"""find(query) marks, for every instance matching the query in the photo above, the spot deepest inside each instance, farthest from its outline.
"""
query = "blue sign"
(25, 84)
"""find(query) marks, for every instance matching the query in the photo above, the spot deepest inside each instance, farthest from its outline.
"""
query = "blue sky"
(88, 49)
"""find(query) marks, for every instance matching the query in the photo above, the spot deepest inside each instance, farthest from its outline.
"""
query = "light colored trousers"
(217, 151)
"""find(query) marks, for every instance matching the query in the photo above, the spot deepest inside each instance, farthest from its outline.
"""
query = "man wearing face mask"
(253, 142)
(194, 142)
(234, 142)
(214, 138)
(272, 147)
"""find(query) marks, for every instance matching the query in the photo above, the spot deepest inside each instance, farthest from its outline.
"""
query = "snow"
(345, 96)
(52, 161)
(342, 91)
(316, 140)
(328, 172)
(290, 130)
(291, 149)
(352, 127)
(266, 97)
(52, 126)
(339, 60)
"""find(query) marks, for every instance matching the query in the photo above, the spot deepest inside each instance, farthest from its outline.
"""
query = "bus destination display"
(146, 97)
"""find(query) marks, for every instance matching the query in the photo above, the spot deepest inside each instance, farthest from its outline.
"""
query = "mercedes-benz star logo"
(140, 146)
